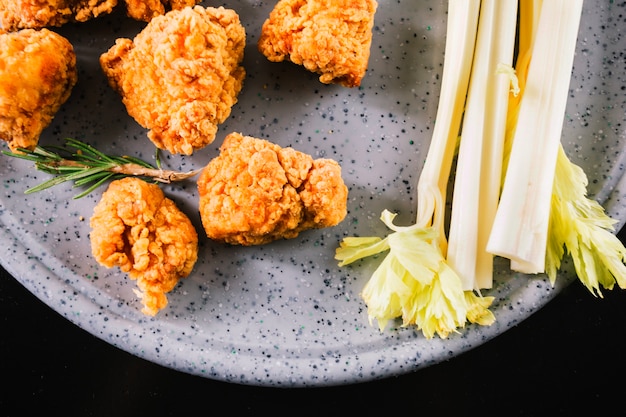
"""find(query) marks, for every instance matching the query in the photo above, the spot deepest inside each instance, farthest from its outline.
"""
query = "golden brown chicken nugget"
(23, 14)
(138, 229)
(181, 75)
(37, 74)
(328, 37)
(255, 192)
(145, 10)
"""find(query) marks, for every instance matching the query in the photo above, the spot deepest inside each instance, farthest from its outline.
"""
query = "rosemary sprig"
(86, 166)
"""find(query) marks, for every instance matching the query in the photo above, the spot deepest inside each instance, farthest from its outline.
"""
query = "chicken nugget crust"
(181, 75)
(138, 229)
(37, 74)
(145, 10)
(328, 37)
(255, 192)
(37, 14)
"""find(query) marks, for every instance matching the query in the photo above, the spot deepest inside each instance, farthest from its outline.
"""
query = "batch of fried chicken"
(179, 78)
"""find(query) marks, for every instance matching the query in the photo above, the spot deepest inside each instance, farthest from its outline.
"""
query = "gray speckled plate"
(285, 314)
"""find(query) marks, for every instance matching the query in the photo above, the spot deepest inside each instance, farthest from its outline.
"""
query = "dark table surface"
(567, 358)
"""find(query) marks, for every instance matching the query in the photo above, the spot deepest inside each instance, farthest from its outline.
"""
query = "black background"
(567, 358)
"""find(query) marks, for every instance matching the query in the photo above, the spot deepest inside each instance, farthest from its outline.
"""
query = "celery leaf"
(414, 282)
(580, 227)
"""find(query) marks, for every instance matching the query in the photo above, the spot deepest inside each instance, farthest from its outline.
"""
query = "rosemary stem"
(129, 169)
(161, 175)
(86, 165)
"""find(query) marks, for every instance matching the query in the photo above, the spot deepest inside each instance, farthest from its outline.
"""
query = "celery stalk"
(520, 228)
(432, 184)
(414, 281)
(529, 11)
(479, 165)
(578, 225)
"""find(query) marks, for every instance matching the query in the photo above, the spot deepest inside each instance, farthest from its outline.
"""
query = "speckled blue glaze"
(285, 314)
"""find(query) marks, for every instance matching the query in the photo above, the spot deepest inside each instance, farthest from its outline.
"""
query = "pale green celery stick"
(520, 227)
(479, 166)
(459, 51)
(578, 225)
(413, 281)
(529, 11)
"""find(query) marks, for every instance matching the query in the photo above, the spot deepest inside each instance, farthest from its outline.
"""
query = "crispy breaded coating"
(145, 10)
(328, 37)
(37, 74)
(255, 192)
(138, 229)
(37, 14)
(181, 75)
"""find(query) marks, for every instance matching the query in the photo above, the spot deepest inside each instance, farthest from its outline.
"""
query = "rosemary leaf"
(46, 184)
(79, 182)
(97, 184)
(88, 173)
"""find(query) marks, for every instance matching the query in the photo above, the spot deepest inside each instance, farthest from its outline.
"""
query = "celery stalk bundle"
(576, 225)
(479, 165)
(414, 281)
(520, 228)
(516, 194)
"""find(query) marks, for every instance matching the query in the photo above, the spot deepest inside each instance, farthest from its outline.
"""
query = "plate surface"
(285, 314)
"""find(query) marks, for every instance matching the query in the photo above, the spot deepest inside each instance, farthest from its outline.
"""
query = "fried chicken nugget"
(181, 75)
(37, 14)
(255, 192)
(37, 74)
(145, 10)
(138, 229)
(328, 37)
